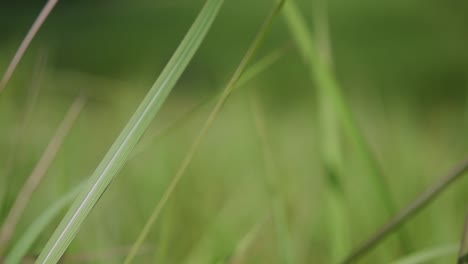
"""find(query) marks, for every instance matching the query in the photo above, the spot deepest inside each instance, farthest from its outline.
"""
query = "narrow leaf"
(230, 86)
(428, 255)
(130, 135)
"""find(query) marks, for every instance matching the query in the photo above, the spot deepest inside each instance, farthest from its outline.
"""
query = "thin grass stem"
(333, 105)
(201, 134)
(329, 88)
(26, 41)
(34, 179)
(405, 214)
(250, 73)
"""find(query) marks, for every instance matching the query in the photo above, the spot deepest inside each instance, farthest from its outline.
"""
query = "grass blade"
(428, 255)
(26, 41)
(130, 135)
(331, 147)
(334, 106)
(31, 234)
(231, 85)
(418, 204)
(329, 88)
(24, 195)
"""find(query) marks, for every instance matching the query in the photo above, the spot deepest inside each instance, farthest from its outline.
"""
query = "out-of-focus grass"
(404, 68)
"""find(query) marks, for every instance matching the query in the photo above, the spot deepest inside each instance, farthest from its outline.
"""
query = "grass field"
(295, 148)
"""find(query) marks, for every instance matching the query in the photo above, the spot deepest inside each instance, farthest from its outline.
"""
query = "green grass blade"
(428, 255)
(333, 105)
(331, 147)
(231, 85)
(130, 135)
(329, 88)
(21, 247)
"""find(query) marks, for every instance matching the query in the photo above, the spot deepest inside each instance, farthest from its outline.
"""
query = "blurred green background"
(403, 67)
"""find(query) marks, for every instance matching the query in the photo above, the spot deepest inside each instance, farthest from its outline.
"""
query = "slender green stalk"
(130, 135)
(26, 41)
(331, 146)
(329, 89)
(334, 106)
(34, 179)
(276, 197)
(426, 256)
(405, 214)
(206, 126)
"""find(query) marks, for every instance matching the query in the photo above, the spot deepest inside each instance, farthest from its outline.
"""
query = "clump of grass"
(130, 135)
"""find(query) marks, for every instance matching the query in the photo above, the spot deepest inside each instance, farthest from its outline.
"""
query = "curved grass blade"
(130, 135)
(426, 256)
(231, 85)
(31, 234)
(406, 213)
(34, 179)
(26, 41)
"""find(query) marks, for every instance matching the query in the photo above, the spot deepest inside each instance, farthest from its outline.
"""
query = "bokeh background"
(403, 67)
